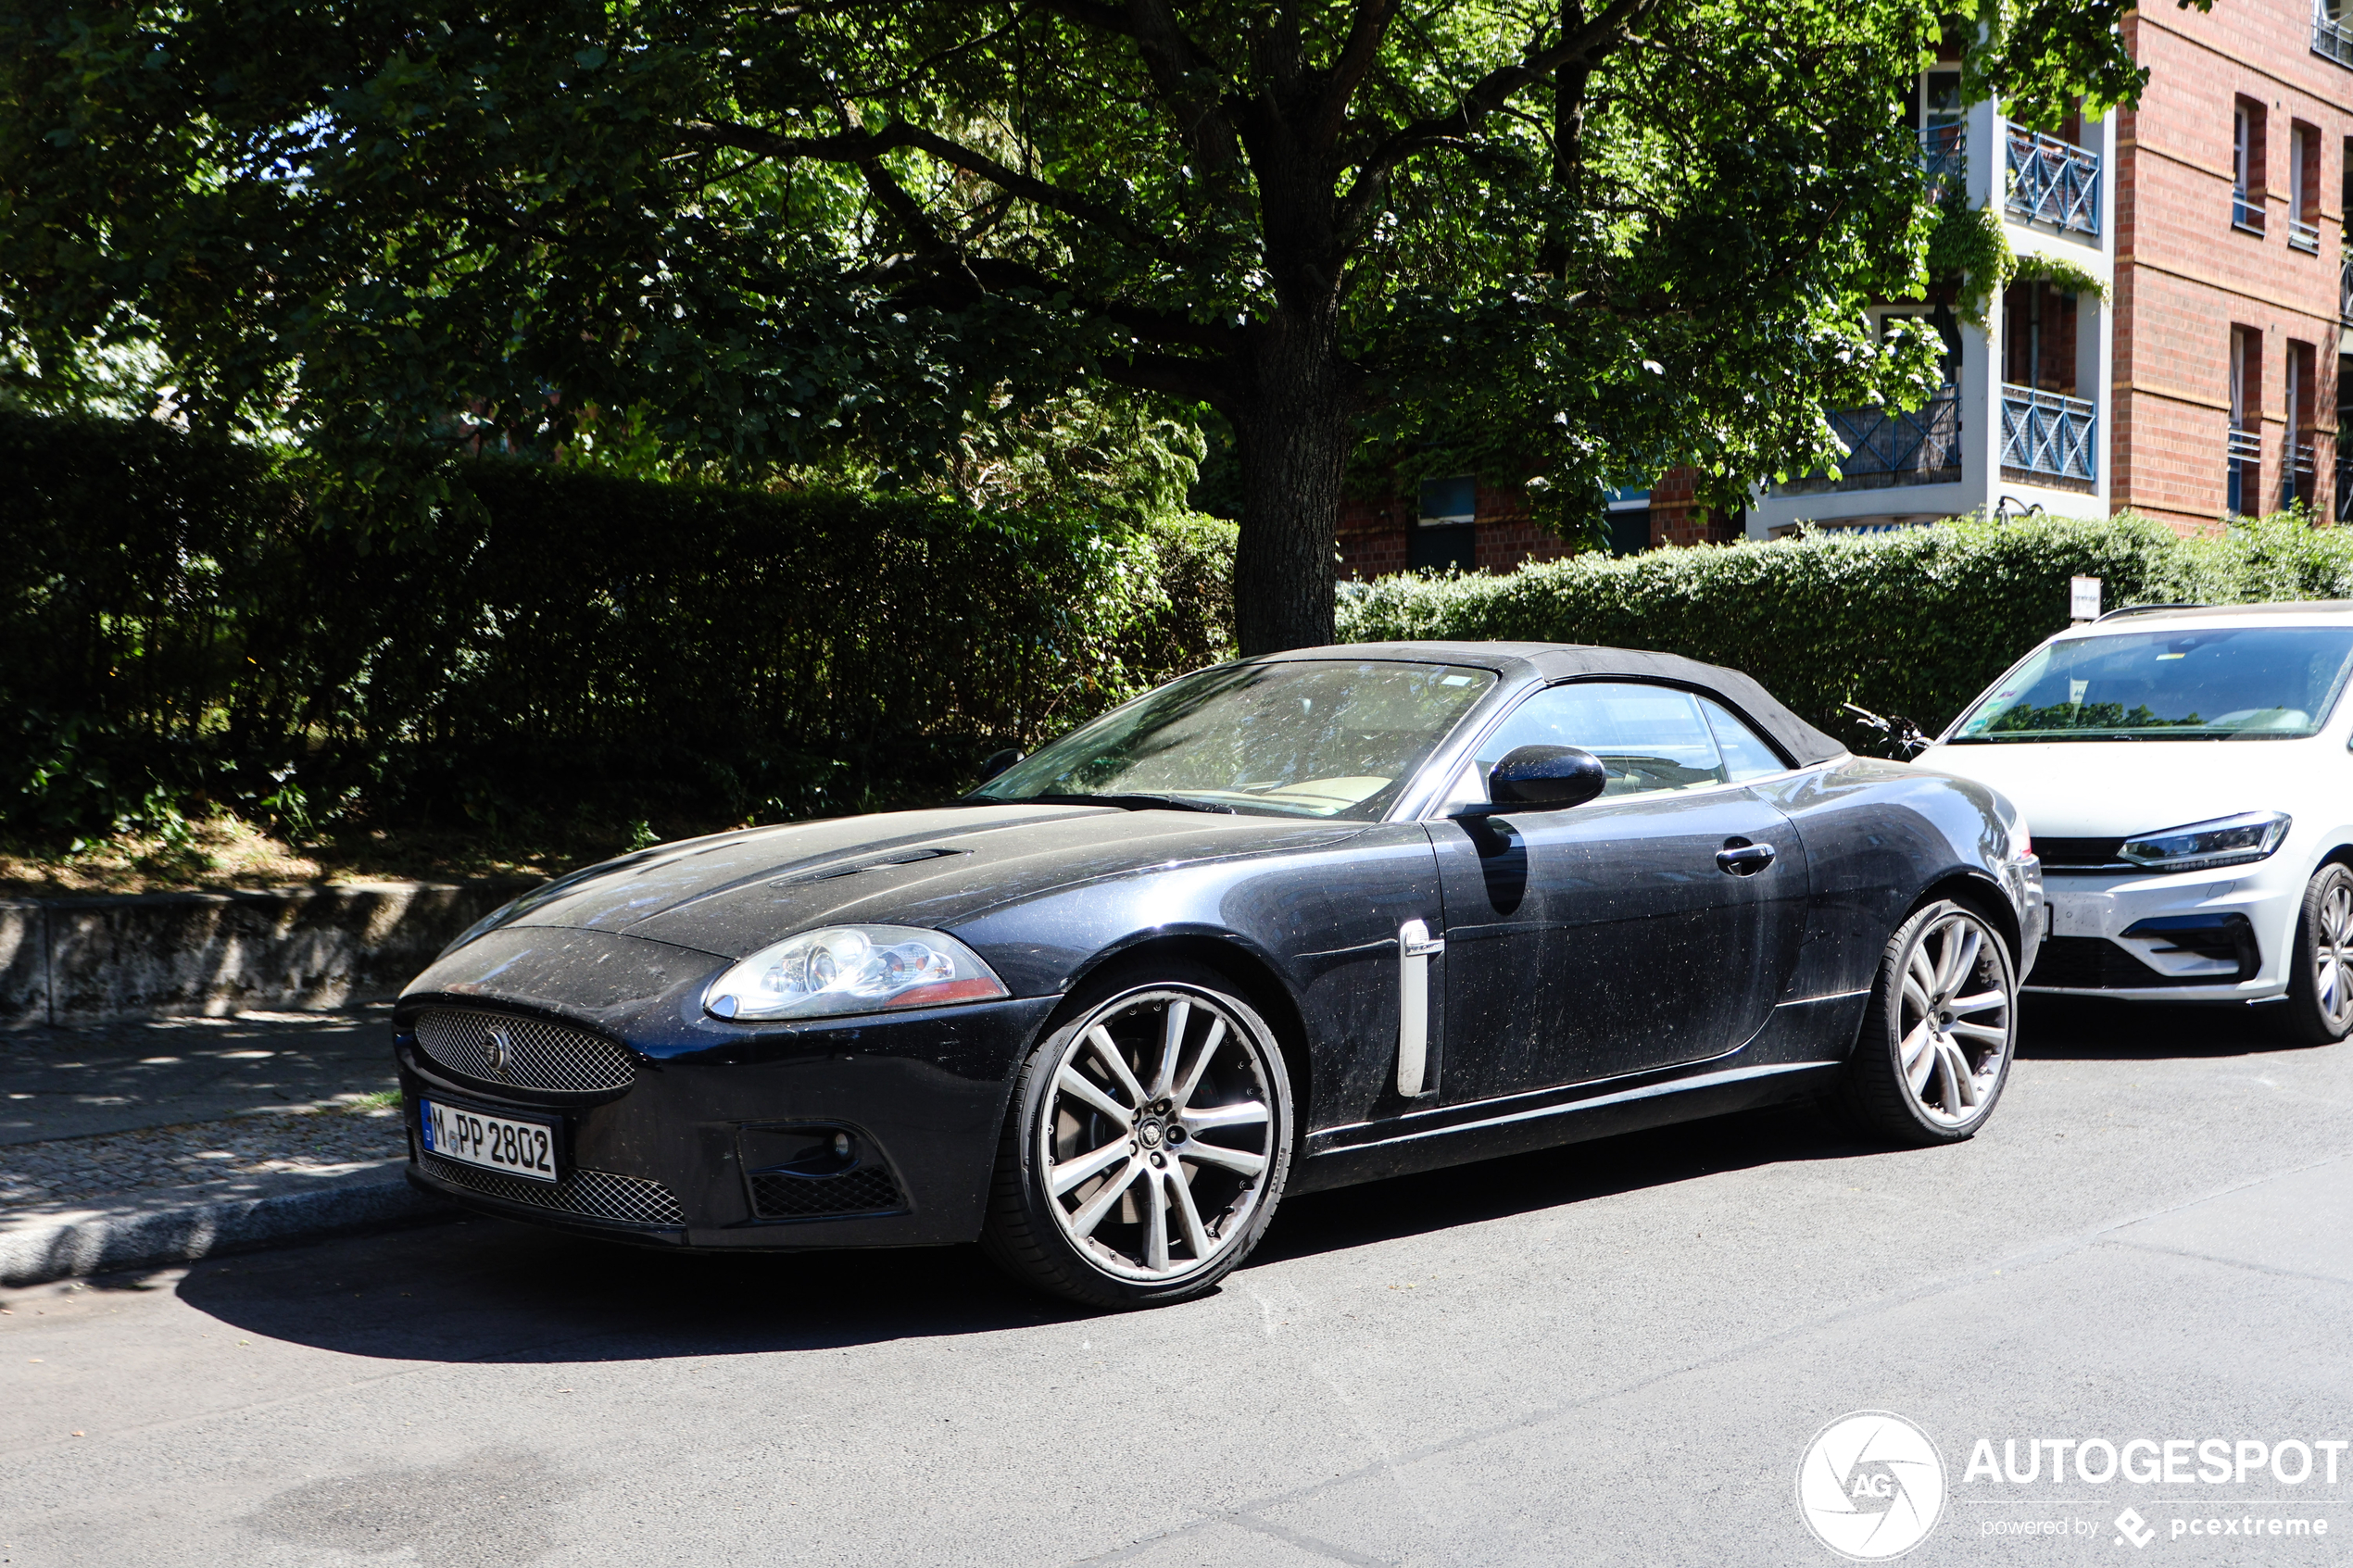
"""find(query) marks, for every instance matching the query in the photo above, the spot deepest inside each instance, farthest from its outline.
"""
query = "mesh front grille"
(592, 1194)
(780, 1194)
(2095, 963)
(2077, 854)
(501, 1047)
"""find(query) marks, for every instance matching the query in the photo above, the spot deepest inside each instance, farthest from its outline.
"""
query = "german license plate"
(495, 1143)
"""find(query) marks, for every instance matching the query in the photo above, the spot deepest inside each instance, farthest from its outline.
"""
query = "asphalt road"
(1612, 1353)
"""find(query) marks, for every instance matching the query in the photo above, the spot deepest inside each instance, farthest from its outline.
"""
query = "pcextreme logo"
(1871, 1486)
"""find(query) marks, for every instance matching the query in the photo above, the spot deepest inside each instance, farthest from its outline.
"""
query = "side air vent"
(786, 1194)
(817, 1170)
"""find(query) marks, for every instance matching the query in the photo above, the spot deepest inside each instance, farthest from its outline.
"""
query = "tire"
(1130, 1116)
(1926, 1071)
(2319, 1011)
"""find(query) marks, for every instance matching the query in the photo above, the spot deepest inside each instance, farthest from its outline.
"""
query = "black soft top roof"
(1554, 661)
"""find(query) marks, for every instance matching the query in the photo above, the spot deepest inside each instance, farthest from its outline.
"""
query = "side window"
(1745, 754)
(1650, 738)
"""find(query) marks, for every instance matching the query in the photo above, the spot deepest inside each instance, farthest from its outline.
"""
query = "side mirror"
(1541, 778)
(997, 763)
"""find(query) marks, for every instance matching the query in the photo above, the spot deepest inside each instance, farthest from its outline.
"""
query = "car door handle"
(1742, 858)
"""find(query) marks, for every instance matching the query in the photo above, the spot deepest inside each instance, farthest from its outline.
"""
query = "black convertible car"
(1283, 925)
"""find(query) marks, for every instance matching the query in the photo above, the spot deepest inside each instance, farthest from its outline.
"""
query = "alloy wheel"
(2332, 956)
(1955, 1017)
(1157, 1135)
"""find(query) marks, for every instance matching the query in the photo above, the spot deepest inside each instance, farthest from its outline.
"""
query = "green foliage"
(1970, 245)
(1569, 241)
(177, 634)
(2060, 273)
(1913, 624)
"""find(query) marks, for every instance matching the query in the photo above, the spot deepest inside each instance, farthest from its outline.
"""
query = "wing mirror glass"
(997, 763)
(1541, 778)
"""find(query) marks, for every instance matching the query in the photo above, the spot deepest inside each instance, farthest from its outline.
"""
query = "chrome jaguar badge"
(499, 1049)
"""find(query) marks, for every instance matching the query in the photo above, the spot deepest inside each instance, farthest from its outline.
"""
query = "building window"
(2297, 451)
(1630, 520)
(2244, 494)
(1445, 533)
(2304, 187)
(2247, 166)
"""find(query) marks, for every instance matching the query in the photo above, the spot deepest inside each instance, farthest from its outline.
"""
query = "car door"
(1653, 925)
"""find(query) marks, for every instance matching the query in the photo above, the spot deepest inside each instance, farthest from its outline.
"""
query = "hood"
(2113, 789)
(734, 893)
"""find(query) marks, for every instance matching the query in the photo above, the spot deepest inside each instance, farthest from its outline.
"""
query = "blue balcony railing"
(1943, 157)
(2054, 182)
(1884, 447)
(2044, 432)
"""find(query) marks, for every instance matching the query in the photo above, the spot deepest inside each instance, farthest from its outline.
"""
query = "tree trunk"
(1293, 432)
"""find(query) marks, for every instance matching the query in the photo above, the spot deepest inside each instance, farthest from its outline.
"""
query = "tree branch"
(865, 147)
(1348, 72)
(1591, 42)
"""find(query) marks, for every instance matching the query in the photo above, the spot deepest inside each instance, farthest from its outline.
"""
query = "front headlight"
(2226, 841)
(841, 969)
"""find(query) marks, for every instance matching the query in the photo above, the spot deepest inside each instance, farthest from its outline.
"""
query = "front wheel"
(1147, 1144)
(1937, 1037)
(2320, 980)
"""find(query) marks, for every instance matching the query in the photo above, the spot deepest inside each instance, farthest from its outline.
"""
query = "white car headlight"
(845, 968)
(2225, 841)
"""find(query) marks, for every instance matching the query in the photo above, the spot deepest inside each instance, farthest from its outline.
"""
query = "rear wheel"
(2319, 983)
(1936, 1043)
(1147, 1144)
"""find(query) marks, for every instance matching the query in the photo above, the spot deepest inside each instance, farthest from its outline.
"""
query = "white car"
(2187, 777)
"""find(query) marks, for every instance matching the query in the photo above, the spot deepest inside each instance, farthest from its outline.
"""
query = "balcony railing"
(2054, 182)
(1943, 156)
(2330, 37)
(1884, 447)
(2304, 237)
(2247, 212)
(2044, 432)
(2246, 458)
(2295, 481)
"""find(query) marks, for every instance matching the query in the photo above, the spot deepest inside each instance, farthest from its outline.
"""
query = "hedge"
(174, 625)
(1909, 623)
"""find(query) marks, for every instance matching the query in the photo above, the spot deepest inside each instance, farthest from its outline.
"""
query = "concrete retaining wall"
(154, 955)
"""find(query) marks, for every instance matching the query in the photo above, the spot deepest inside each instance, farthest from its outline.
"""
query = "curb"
(101, 1244)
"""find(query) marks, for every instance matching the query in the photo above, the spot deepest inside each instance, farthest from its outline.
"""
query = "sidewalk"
(137, 1145)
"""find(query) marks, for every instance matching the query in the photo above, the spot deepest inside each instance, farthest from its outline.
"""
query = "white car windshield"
(1306, 738)
(2239, 682)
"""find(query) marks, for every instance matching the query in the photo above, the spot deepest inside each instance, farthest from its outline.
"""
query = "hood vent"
(881, 862)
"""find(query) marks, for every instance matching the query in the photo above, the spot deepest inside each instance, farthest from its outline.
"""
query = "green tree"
(1581, 237)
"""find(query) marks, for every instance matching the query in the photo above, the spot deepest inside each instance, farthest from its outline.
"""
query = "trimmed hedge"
(1911, 623)
(174, 624)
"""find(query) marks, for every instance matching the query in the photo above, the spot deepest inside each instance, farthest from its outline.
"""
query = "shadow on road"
(485, 1290)
(482, 1290)
(2085, 1029)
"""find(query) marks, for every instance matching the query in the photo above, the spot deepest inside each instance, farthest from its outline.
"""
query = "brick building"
(2204, 386)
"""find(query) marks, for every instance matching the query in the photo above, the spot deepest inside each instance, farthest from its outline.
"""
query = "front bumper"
(2196, 937)
(677, 1158)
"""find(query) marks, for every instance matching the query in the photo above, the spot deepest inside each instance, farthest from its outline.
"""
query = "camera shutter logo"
(1871, 1486)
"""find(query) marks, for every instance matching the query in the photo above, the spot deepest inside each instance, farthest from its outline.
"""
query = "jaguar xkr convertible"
(1284, 924)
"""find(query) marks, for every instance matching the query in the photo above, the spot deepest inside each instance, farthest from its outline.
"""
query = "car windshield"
(2240, 683)
(1304, 739)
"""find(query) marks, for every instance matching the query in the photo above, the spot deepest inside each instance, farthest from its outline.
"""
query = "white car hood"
(2110, 789)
